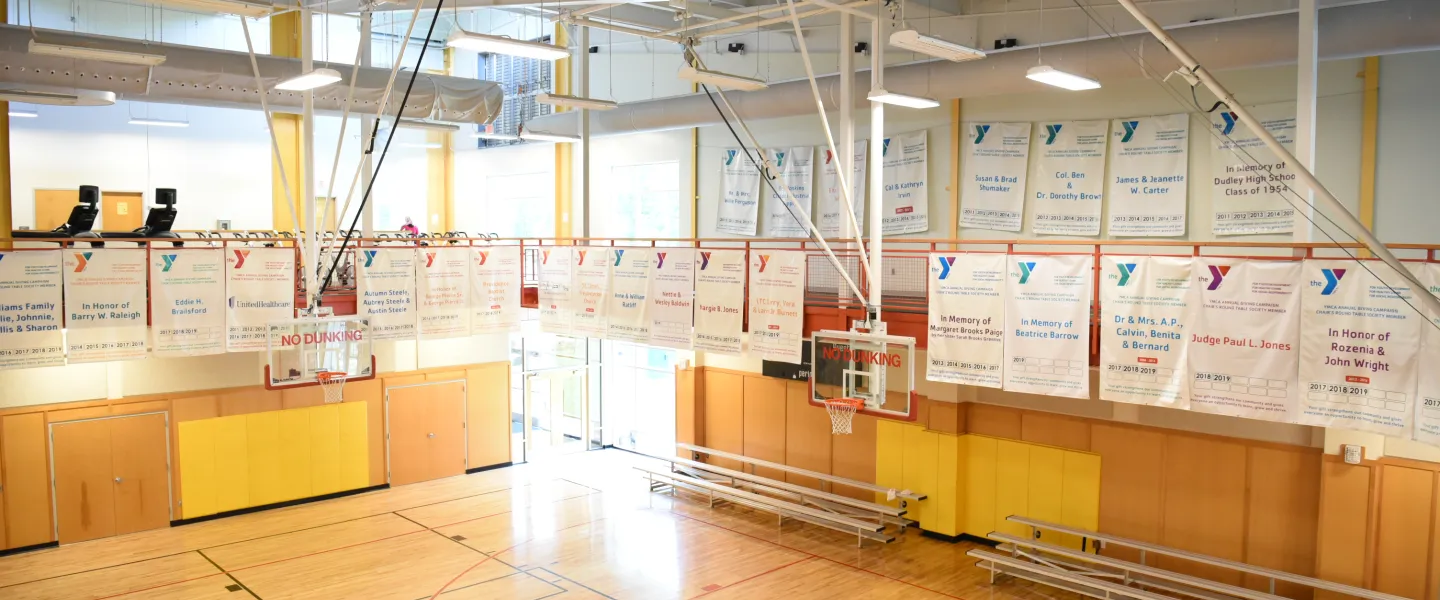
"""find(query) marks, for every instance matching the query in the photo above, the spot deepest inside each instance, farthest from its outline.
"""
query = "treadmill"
(80, 223)
(157, 222)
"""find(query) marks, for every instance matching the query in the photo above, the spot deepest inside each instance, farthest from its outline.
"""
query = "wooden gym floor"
(574, 527)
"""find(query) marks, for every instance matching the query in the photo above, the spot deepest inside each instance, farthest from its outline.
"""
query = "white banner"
(906, 200)
(967, 319)
(993, 175)
(1244, 338)
(1144, 302)
(444, 292)
(105, 305)
(1070, 178)
(777, 304)
(31, 319)
(591, 291)
(739, 194)
(386, 285)
(796, 172)
(829, 219)
(556, 290)
(1047, 325)
(1249, 179)
(494, 290)
(1149, 163)
(1359, 347)
(720, 301)
(627, 318)
(187, 302)
(260, 283)
(1427, 405)
(672, 299)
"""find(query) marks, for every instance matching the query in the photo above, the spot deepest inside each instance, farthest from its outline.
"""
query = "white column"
(1305, 94)
(876, 162)
(307, 145)
(585, 136)
(367, 215)
(845, 149)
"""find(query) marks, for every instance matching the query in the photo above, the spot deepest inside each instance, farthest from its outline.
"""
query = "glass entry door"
(557, 419)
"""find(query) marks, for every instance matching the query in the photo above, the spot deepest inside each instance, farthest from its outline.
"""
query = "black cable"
(434, 18)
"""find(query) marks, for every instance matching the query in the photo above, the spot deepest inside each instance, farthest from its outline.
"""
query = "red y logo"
(483, 257)
(544, 257)
(764, 260)
(429, 259)
(582, 256)
(240, 258)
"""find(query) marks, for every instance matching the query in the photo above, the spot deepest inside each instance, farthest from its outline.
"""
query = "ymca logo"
(764, 260)
(240, 256)
(980, 131)
(1217, 275)
(885, 148)
(1126, 270)
(660, 259)
(1026, 268)
(1332, 280)
(429, 259)
(1050, 132)
(169, 261)
(369, 257)
(829, 155)
(1229, 118)
(82, 259)
(581, 261)
(618, 254)
(544, 257)
(945, 263)
(780, 160)
(730, 157)
(484, 256)
(704, 260)
(1130, 127)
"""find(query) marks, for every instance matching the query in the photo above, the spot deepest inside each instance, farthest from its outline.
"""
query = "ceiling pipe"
(1352, 31)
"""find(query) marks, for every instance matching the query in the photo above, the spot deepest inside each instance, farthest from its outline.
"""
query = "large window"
(638, 386)
(521, 205)
(644, 201)
(521, 79)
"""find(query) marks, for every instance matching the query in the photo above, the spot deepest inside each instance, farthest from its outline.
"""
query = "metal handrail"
(1111, 589)
(798, 471)
(784, 486)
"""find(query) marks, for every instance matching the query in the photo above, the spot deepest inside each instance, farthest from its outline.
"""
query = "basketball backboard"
(876, 368)
(298, 350)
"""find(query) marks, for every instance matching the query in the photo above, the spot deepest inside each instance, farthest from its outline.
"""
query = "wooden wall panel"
(994, 421)
(943, 416)
(1402, 545)
(76, 414)
(84, 492)
(249, 400)
(1055, 430)
(27, 477)
(1204, 503)
(764, 422)
(853, 456)
(724, 415)
(1280, 521)
(807, 434)
(487, 397)
(1132, 483)
(303, 397)
(1340, 541)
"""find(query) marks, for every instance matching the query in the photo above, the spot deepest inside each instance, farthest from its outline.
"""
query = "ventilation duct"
(208, 77)
(1351, 31)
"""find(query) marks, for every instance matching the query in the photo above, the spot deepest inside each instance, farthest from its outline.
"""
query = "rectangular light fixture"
(67, 98)
(1052, 76)
(540, 136)
(102, 54)
(575, 102)
(494, 44)
(425, 145)
(308, 81)
(225, 7)
(721, 80)
(428, 125)
(25, 114)
(912, 40)
(500, 137)
(158, 122)
(880, 95)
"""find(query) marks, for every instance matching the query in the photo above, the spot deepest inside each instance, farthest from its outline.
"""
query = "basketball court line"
(517, 573)
(709, 589)
(489, 557)
(232, 577)
(564, 578)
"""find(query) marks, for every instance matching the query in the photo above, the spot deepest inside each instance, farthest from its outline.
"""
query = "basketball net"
(842, 413)
(333, 382)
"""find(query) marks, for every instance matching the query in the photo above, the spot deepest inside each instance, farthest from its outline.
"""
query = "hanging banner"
(829, 219)
(720, 300)
(31, 319)
(1427, 404)
(1070, 178)
(260, 283)
(591, 291)
(672, 299)
(1144, 303)
(993, 173)
(105, 315)
(967, 319)
(556, 291)
(187, 302)
(777, 304)
(1244, 338)
(1250, 181)
(387, 292)
(1047, 325)
(906, 200)
(1359, 347)
(739, 194)
(629, 304)
(444, 292)
(796, 171)
(1149, 162)
(494, 290)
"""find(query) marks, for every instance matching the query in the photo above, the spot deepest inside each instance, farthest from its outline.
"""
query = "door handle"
(431, 435)
(117, 480)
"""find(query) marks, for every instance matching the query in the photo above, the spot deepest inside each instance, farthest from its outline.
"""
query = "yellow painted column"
(1369, 137)
(285, 41)
(440, 169)
(564, 157)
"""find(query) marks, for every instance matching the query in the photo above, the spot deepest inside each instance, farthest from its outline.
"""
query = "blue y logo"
(1126, 270)
(1229, 118)
(369, 257)
(980, 131)
(945, 263)
(1130, 127)
(1050, 132)
(618, 253)
(730, 157)
(1026, 268)
(1332, 280)
(169, 261)
(885, 149)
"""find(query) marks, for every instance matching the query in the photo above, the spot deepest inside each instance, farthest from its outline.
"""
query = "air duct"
(1350, 31)
(208, 77)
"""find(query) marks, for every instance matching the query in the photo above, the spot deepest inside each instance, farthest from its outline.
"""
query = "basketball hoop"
(842, 413)
(333, 382)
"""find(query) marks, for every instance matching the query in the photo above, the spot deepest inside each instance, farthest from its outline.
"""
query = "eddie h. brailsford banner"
(187, 302)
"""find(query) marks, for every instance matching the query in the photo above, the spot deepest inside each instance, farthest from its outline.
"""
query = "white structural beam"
(307, 151)
(367, 124)
(585, 133)
(876, 164)
(1306, 90)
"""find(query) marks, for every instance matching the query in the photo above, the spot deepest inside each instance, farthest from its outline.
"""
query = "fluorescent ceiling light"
(494, 44)
(309, 81)
(1052, 76)
(540, 136)
(83, 53)
(158, 122)
(723, 80)
(575, 102)
(880, 95)
(426, 145)
(28, 114)
(428, 125)
(65, 98)
(227, 7)
(502, 137)
(911, 40)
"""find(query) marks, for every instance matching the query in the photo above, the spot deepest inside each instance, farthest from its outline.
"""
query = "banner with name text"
(1359, 347)
(777, 304)
(672, 299)
(556, 290)
(1244, 338)
(993, 175)
(739, 194)
(906, 200)
(967, 319)
(1047, 325)
(626, 316)
(1149, 168)
(386, 285)
(494, 290)
(105, 316)
(591, 297)
(260, 283)
(1144, 302)
(1070, 178)
(796, 171)
(31, 317)
(1250, 181)
(444, 292)
(829, 199)
(187, 302)
(1427, 401)
(720, 301)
